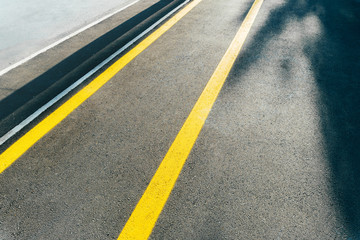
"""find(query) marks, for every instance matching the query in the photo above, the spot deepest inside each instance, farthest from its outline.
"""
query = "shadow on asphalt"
(26, 100)
(335, 63)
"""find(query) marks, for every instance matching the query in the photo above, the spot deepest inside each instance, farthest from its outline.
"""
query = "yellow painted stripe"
(148, 209)
(10, 155)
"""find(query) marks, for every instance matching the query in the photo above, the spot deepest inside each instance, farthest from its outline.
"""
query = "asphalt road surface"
(277, 158)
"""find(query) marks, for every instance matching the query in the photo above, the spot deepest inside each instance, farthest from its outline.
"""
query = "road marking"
(10, 155)
(5, 70)
(148, 209)
(37, 113)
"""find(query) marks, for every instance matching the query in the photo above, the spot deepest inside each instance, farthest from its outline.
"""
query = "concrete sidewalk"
(29, 26)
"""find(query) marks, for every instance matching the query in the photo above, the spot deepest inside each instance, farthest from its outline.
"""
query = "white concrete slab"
(27, 27)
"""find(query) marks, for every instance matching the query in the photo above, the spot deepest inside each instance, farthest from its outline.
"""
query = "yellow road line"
(10, 155)
(148, 209)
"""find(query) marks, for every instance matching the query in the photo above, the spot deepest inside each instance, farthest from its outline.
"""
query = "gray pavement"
(29, 26)
(277, 157)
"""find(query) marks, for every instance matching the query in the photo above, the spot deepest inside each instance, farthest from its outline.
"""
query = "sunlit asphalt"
(277, 158)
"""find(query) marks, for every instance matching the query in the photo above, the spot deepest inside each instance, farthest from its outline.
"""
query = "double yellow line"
(148, 209)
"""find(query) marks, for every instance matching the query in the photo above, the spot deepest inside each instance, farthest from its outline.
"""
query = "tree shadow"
(335, 64)
(26, 100)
